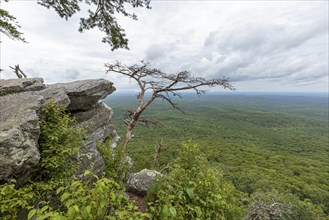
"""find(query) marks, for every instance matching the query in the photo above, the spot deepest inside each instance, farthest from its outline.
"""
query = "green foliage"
(9, 26)
(54, 192)
(111, 160)
(102, 18)
(60, 141)
(103, 199)
(275, 205)
(194, 190)
(12, 200)
(261, 142)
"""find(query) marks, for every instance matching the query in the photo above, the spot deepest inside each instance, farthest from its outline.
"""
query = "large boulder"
(20, 113)
(139, 183)
(11, 86)
(19, 133)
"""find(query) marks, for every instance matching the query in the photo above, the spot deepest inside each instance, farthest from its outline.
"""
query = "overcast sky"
(260, 45)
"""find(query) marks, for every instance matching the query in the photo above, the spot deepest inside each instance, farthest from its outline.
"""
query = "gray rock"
(115, 139)
(10, 86)
(140, 182)
(20, 112)
(58, 96)
(98, 127)
(19, 133)
(85, 94)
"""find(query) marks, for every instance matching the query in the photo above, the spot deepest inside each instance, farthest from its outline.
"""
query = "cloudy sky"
(260, 45)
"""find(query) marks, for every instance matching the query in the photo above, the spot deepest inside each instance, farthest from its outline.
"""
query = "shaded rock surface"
(140, 182)
(21, 101)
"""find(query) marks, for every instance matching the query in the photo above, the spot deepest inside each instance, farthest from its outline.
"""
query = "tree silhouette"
(162, 86)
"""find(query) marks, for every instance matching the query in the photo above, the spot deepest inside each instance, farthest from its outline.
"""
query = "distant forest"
(262, 143)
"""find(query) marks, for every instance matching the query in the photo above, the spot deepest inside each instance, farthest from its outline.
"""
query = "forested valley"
(270, 146)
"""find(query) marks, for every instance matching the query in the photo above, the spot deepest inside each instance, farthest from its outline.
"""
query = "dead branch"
(158, 149)
(19, 73)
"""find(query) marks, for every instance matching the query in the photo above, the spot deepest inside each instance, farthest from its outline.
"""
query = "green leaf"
(44, 209)
(164, 211)
(65, 196)
(76, 208)
(87, 172)
(172, 211)
(59, 190)
(31, 214)
(71, 212)
(190, 192)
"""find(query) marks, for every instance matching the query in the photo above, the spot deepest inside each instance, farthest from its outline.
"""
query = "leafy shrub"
(112, 160)
(193, 190)
(13, 200)
(60, 141)
(53, 192)
(103, 199)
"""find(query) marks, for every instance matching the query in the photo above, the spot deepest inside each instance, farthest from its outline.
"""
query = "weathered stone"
(19, 133)
(10, 86)
(85, 94)
(97, 124)
(139, 183)
(20, 112)
(58, 96)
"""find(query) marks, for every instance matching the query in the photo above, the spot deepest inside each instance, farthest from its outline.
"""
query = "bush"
(103, 199)
(59, 143)
(53, 192)
(194, 190)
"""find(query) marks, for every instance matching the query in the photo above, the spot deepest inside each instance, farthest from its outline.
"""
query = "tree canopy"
(103, 18)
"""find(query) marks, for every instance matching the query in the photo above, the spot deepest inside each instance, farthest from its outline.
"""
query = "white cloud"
(260, 45)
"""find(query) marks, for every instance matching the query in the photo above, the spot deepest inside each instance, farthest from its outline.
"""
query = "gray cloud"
(72, 74)
(259, 45)
(269, 51)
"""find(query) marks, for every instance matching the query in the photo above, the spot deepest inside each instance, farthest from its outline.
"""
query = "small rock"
(140, 182)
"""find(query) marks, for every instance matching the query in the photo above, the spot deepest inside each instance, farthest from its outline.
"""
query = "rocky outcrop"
(11, 86)
(19, 133)
(21, 101)
(139, 183)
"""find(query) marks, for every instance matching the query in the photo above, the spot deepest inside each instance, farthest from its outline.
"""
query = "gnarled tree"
(161, 86)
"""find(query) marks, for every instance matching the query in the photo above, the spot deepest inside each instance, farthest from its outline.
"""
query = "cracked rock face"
(21, 101)
(140, 182)
(11, 86)
(19, 133)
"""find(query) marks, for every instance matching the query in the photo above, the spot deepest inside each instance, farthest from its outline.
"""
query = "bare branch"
(163, 85)
(167, 98)
(19, 73)
(149, 122)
